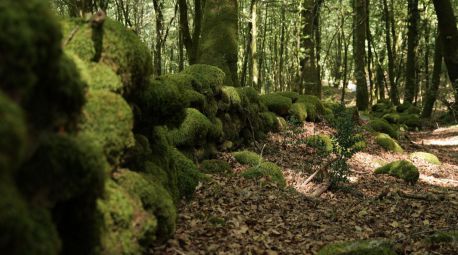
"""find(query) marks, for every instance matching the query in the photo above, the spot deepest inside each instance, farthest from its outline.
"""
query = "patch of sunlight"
(353, 179)
(439, 182)
(446, 130)
(449, 141)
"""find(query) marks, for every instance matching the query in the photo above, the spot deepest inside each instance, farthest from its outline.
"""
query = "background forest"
(228, 127)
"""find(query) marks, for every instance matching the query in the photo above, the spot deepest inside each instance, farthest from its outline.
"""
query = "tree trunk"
(362, 96)
(219, 40)
(449, 36)
(369, 53)
(393, 87)
(412, 42)
(309, 68)
(253, 45)
(282, 46)
(431, 95)
(191, 42)
(158, 6)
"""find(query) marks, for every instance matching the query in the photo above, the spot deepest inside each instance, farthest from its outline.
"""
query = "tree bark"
(362, 96)
(393, 87)
(253, 45)
(431, 95)
(158, 6)
(449, 37)
(411, 86)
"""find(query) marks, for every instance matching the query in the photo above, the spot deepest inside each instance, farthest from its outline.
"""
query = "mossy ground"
(215, 166)
(367, 247)
(247, 158)
(268, 170)
(320, 142)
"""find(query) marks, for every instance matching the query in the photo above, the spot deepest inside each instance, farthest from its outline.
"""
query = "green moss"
(402, 169)
(364, 247)
(298, 111)
(282, 123)
(388, 143)
(294, 96)
(154, 198)
(14, 135)
(103, 77)
(231, 96)
(129, 229)
(444, 237)
(266, 169)
(408, 108)
(193, 130)
(216, 132)
(269, 121)
(137, 155)
(412, 121)
(247, 158)
(208, 79)
(392, 118)
(251, 95)
(320, 142)
(382, 126)
(161, 103)
(383, 107)
(108, 119)
(428, 157)
(120, 49)
(277, 104)
(195, 99)
(188, 175)
(215, 166)
(313, 105)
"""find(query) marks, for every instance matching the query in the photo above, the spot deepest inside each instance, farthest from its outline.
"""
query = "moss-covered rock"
(408, 108)
(298, 111)
(392, 118)
(188, 175)
(364, 247)
(108, 119)
(215, 166)
(231, 96)
(13, 131)
(402, 169)
(160, 103)
(115, 46)
(268, 170)
(388, 143)
(128, 229)
(193, 131)
(294, 96)
(314, 107)
(382, 126)
(269, 121)
(247, 158)
(320, 142)
(383, 107)
(428, 157)
(412, 121)
(277, 104)
(208, 79)
(154, 198)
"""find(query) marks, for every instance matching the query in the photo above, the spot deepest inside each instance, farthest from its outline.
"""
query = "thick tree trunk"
(80, 8)
(191, 42)
(393, 86)
(157, 65)
(219, 40)
(362, 96)
(282, 46)
(431, 95)
(309, 69)
(449, 36)
(369, 53)
(412, 41)
(253, 45)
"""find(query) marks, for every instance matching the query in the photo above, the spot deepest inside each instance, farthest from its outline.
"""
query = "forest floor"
(233, 215)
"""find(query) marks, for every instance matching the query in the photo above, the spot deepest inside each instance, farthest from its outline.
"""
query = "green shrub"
(247, 158)
(266, 169)
(363, 247)
(154, 199)
(388, 143)
(108, 119)
(321, 142)
(129, 229)
(402, 169)
(298, 111)
(277, 104)
(193, 131)
(13, 132)
(160, 103)
(428, 157)
(215, 166)
(382, 126)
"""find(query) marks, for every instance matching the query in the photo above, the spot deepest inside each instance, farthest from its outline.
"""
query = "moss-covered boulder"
(208, 79)
(428, 157)
(388, 143)
(13, 131)
(193, 131)
(154, 198)
(294, 96)
(113, 45)
(314, 106)
(129, 229)
(277, 104)
(321, 142)
(383, 107)
(408, 108)
(188, 175)
(215, 166)
(247, 158)
(364, 247)
(108, 120)
(402, 169)
(412, 121)
(298, 111)
(268, 170)
(382, 126)
(392, 118)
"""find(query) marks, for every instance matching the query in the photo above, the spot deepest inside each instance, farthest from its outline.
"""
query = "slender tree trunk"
(253, 45)
(449, 36)
(369, 53)
(393, 87)
(191, 42)
(412, 42)
(158, 6)
(219, 40)
(362, 97)
(431, 95)
(282, 45)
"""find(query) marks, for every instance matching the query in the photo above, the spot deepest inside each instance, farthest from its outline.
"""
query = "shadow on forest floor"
(232, 215)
